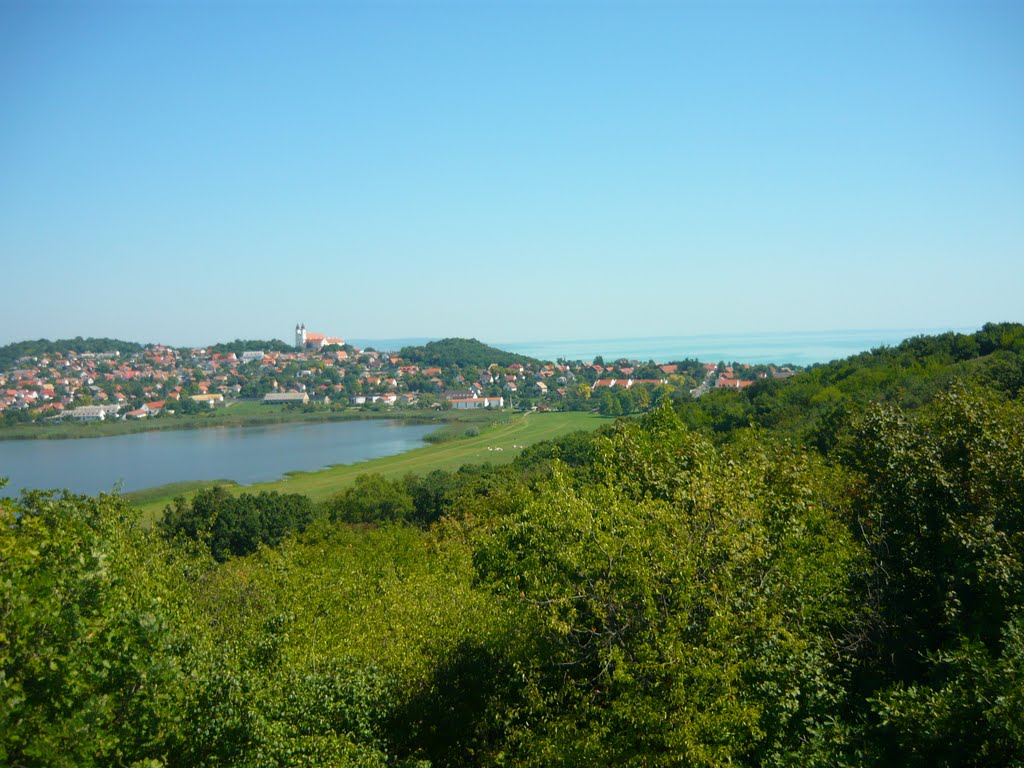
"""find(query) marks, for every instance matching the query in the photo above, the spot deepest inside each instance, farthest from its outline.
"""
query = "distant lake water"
(797, 348)
(243, 454)
(800, 348)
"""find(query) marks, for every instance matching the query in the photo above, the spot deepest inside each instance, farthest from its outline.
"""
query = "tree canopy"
(11, 353)
(238, 346)
(462, 352)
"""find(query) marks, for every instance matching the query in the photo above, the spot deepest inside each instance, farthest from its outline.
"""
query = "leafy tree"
(333, 648)
(373, 499)
(236, 525)
(189, 407)
(689, 606)
(942, 510)
(92, 667)
(609, 404)
(430, 494)
(724, 411)
(627, 401)
(576, 450)
(641, 398)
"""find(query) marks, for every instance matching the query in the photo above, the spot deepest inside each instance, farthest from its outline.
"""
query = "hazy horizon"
(797, 347)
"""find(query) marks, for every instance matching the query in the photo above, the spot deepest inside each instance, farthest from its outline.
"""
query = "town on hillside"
(55, 381)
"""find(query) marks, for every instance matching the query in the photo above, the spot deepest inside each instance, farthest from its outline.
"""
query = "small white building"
(283, 398)
(92, 412)
(468, 403)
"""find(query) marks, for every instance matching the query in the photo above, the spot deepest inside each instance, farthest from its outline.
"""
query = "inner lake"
(243, 454)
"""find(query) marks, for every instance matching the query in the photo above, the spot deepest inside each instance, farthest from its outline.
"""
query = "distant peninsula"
(84, 387)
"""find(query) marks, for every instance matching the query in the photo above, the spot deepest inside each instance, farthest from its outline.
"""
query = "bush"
(373, 499)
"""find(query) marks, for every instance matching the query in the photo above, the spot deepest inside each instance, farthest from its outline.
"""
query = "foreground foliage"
(92, 662)
(689, 583)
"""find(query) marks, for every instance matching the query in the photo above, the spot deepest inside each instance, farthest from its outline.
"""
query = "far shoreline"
(223, 419)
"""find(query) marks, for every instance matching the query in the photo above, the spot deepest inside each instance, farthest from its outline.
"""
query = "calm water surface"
(244, 454)
(798, 348)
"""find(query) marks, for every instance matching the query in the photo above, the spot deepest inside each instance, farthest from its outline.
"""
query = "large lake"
(244, 454)
(798, 348)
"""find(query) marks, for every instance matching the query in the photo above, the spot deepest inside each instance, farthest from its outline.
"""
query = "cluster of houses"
(320, 369)
(85, 386)
(727, 378)
(101, 386)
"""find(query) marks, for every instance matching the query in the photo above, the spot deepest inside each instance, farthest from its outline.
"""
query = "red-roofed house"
(732, 383)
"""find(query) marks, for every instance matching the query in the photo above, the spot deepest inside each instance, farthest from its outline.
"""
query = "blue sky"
(193, 172)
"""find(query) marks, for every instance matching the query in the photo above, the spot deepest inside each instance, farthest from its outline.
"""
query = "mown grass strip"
(496, 444)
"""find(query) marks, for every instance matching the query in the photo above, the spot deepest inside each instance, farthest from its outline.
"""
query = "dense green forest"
(464, 353)
(238, 346)
(826, 570)
(11, 353)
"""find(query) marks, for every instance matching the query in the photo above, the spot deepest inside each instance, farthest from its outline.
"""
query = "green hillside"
(11, 353)
(816, 405)
(463, 353)
(238, 346)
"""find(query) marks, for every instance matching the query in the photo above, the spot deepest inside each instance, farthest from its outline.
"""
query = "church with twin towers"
(313, 341)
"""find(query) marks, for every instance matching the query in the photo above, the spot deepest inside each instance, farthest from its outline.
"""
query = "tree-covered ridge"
(238, 346)
(817, 405)
(666, 591)
(11, 353)
(462, 353)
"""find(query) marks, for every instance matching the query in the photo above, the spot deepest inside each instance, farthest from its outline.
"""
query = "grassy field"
(498, 443)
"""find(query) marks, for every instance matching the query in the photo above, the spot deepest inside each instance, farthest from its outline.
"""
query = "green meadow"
(496, 443)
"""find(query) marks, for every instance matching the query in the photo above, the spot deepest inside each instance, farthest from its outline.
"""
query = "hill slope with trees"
(238, 346)
(463, 353)
(11, 353)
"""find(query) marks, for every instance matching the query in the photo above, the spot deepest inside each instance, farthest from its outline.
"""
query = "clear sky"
(191, 172)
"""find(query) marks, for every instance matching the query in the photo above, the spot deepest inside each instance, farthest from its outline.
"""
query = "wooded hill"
(816, 405)
(11, 353)
(775, 576)
(464, 353)
(238, 346)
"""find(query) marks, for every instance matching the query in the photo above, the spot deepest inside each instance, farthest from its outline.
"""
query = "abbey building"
(316, 341)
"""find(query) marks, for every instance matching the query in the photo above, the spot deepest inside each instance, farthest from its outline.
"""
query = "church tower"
(300, 336)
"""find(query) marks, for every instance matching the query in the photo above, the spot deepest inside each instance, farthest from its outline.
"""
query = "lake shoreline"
(93, 430)
(133, 462)
(499, 443)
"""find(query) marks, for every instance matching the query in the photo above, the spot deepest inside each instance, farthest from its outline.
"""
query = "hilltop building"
(315, 341)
